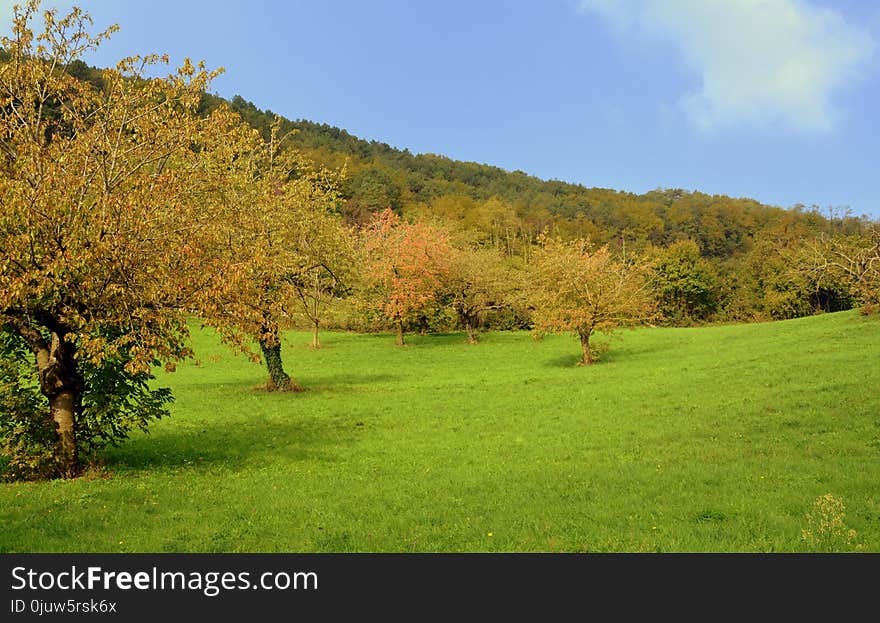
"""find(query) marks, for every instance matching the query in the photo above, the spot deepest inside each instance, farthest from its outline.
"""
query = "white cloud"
(761, 62)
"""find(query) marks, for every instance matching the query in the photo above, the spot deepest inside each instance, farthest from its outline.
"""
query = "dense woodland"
(131, 204)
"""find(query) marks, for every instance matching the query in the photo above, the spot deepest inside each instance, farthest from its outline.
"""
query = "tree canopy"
(106, 223)
(583, 290)
(405, 265)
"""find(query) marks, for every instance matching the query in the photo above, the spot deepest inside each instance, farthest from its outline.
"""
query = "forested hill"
(511, 209)
(516, 207)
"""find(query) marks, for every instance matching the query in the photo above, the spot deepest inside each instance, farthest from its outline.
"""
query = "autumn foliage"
(106, 228)
(480, 281)
(851, 260)
(404, 267)
(275, 232)
(584, 290)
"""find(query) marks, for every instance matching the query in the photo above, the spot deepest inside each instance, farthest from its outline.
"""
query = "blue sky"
(776, 100)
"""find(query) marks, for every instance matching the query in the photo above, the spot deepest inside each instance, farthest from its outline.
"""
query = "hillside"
(521, 206)
(512, 208)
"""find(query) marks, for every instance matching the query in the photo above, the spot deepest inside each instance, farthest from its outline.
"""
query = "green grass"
(712, 439)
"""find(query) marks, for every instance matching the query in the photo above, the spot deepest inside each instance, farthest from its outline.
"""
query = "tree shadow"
(602, 359)
(232, 445)
(567, 361)
(613, 348)
(330, 382)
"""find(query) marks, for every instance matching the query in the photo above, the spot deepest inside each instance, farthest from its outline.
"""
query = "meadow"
(713, 439)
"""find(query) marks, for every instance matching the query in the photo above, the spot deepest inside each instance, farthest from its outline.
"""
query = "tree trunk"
(63, 407)
(471, 331)
(62, 385)
(316, 344)
(278, 380)
(400, 341)
(587, 358)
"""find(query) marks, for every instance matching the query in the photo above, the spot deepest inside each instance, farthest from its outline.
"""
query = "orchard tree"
(405, 264)
(583, 290)
(103, 224)
(278, 229)
(328, 279)
(478, 281)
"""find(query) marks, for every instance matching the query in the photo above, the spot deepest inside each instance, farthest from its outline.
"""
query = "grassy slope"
(711, 439)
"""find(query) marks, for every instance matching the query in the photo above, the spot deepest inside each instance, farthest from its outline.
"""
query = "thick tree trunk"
(63, 407)
(400, 341)
(62, 385)
(587, 357)
(315, 342)
(278, 381)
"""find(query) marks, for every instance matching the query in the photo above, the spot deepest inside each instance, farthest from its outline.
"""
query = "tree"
(102, 224)
(853, 260)
(583, 291)
(279, 229)
(329, 277)
(777, 279)
(684, 282)
(478, 281)
(369, 191)
(405, 264)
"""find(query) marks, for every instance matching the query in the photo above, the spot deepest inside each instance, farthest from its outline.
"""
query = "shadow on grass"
(616, 352)
(567, 361)
(209, 387)
(425, 339)
(329, 382)
(613, 355)
(306, 381)
(446, 335)
(233, 444)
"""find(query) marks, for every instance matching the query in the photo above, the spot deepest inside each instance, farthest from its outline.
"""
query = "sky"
(776, 100)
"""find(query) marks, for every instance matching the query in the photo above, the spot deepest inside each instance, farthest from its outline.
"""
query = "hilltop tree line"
(131, 204)
(724, 259)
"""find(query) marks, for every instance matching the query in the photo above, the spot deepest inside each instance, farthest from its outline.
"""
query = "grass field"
(712, 439)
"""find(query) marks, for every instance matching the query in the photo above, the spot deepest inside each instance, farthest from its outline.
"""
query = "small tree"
(404, 267)
(329, 278)
(583, 291)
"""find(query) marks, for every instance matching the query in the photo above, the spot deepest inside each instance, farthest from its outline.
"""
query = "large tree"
(585, 290)
(852, 262)
(103, 218)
